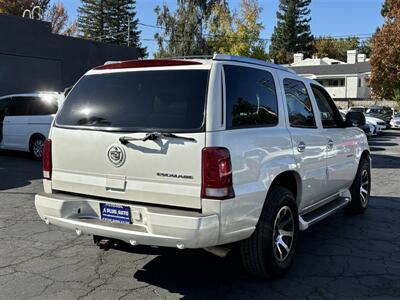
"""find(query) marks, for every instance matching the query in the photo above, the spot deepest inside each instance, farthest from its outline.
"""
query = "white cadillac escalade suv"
(202, 154)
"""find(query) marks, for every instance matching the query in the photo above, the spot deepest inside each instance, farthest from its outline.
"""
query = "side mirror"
(355, 119)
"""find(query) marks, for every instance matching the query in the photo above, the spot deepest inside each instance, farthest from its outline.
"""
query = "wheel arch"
(290, 180)
(365, 154)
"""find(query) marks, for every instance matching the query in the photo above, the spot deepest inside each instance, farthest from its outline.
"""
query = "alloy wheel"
(37, 148)
(364, 188)
(283, 233)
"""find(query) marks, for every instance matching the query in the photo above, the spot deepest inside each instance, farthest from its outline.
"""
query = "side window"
(19, 106)
(4, 104)
(299, 104)
(250, 97)
(329, 113)
(43, 106)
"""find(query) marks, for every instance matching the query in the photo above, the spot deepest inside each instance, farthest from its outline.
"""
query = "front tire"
(268, 253)
(360, 189)
(36, 146)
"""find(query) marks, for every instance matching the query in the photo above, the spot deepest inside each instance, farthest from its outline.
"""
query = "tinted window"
(19, 106)
(250, 98)
(4, 103)
(299, 104)
(329, 113)
(358, 109)
(45, 105)
(144, 100)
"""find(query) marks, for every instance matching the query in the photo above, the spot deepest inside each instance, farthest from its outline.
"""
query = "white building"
(343, 80)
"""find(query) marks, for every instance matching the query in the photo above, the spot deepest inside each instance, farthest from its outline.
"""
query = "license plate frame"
(115, 213)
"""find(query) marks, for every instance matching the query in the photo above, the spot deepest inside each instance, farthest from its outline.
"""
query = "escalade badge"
(116, 155)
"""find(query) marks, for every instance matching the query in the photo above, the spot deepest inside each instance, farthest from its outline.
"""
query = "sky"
(328, 17)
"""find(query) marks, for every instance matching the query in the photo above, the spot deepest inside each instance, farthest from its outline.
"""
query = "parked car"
(25, 120)
(202, 154)
(378, 123)
(369, 128)
(395, 122)
(384, 113)
(358, 109)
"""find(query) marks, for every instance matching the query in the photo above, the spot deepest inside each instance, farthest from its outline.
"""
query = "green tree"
(92, 19)
(205, 27)
(220, 28)
(17, 7)
(246, 36)
(365, 47)
(385, 58)
(292, 33)
(183, 30)
(110, 21)
(121, 18)
(334, 48)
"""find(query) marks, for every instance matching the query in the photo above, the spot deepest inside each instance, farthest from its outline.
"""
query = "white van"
(25, 120)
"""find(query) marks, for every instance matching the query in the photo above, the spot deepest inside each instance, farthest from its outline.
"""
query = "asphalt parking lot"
(343, 257)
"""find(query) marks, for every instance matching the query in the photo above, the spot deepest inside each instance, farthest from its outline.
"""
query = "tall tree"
(183, 30)
(92, 19)
(58, 16)
(122, 24)
(385, 58)
(111, 21)
(237, 34)
(292, 33)
(17, 7)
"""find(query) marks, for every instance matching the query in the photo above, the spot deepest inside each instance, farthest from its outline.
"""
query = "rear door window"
(299, 104)
(46, 105)
(170, 100)
(330, 116)
(19, 106)
(4, 104)
(250, 97)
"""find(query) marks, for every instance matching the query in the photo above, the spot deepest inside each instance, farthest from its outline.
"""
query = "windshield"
(374, 111)
(358, 109)
(171, 100)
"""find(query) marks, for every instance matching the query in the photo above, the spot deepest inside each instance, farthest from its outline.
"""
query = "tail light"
(217, 174)
(47, 164)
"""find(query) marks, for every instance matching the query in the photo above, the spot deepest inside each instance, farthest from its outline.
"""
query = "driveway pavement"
(343, 257)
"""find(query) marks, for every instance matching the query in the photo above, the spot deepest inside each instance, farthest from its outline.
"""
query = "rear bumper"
(151, 226)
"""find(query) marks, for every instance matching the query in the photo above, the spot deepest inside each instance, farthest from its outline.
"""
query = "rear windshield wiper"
(154, 136)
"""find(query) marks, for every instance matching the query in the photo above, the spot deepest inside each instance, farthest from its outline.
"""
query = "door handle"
(301, 146)
(329, 146)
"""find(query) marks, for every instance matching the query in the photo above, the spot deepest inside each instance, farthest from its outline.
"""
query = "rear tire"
(360, 189)
(36, 146)
(268, 253)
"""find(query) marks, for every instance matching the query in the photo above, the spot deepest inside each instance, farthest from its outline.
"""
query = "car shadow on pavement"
(382, 161)
(344, 256)
(17, 169)
(382, 144)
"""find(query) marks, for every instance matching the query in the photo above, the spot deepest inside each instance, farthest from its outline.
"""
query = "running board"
(322, 212)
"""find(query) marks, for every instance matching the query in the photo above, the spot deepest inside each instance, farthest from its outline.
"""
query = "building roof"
(336, 69)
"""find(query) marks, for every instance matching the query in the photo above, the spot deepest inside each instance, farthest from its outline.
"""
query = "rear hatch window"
(165, 100)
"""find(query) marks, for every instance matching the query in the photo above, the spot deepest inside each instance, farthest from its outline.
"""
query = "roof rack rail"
(189, 57)
(227, 57)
